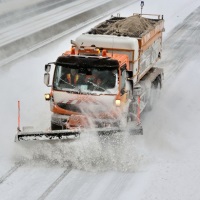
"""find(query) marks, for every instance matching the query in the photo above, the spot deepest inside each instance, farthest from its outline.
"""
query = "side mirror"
(122, 91)
(46, 79)
(129, 75)
(47, 68)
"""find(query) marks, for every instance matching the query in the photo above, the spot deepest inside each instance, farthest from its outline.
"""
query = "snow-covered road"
(47, 19)
(162, 164)
(31, 28)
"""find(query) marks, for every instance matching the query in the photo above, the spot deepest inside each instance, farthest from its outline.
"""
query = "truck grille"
(70, 107)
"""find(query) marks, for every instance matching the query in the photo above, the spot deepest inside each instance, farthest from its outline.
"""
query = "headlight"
(117, 102)
(47, 97)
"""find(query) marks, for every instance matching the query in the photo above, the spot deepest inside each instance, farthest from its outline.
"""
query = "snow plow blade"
(60, 134)
(47, 135)
(71, 133)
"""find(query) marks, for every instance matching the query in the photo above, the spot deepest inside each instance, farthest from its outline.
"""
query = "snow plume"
(90, 152)
(175, 117)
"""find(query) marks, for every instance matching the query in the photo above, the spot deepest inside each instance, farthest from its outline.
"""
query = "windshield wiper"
(67, 83)
(97, 86)
(73, 86)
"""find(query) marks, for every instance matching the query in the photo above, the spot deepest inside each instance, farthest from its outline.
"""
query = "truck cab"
(88, 91)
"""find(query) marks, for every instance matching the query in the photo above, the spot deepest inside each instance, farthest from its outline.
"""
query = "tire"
(55, 126)
(154, 93)
(131, 113)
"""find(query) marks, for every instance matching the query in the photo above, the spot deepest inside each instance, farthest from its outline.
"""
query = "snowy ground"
(162, 164)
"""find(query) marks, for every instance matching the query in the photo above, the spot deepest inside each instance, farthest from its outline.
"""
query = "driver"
(73, 77)
(99, 82)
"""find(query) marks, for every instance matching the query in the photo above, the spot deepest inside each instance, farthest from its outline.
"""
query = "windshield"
(85, 80)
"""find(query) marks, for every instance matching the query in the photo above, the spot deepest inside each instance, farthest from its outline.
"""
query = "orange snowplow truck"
(106, 80)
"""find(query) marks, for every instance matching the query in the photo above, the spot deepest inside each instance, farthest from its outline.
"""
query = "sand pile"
(132, 26)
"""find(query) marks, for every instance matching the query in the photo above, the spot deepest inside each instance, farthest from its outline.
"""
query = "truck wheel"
(55, 126)
(131, 111)
(154, 93)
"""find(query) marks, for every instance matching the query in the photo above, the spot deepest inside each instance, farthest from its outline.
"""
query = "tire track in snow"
(174, 61)
(10, 172)
(54, 184)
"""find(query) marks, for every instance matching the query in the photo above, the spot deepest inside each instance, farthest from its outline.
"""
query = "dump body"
(137, 36)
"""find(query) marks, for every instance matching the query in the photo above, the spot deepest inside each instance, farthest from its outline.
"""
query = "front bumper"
(83, 121)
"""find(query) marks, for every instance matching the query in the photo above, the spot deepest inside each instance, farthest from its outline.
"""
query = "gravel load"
(132, 26)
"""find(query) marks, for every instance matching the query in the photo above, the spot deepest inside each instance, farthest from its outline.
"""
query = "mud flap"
(108, 131)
